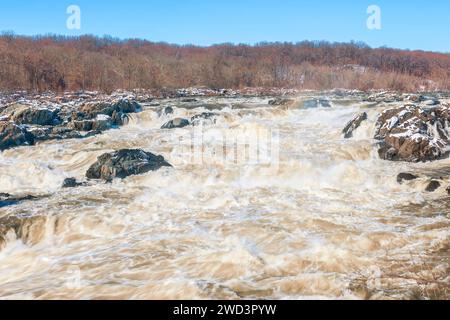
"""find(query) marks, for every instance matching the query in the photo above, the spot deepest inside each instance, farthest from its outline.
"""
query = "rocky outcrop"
(413, 133)
(306, 104)
(12, 135)
(25, 124)
(384, 97)
(354, 124)
(101, 116)
(405, 176)
(55, 133)
(124, 106)
(176, 123)
(31, 114)
(100, 123)
(36, 116)
(124, 163)
(120, 118)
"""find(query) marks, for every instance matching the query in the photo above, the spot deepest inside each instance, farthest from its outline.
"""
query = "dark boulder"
(168, 110)
(12, 135)
(119, 118)
(405, 176)
(124, 163)
(412, 133)
(176, 123)
(71, 183)
(433, 186)
(354, 124)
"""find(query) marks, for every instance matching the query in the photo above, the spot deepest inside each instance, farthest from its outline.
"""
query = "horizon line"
(11, 33)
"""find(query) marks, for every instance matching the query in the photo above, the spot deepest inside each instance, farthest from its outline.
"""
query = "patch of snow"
(393, 122)
(103, 117)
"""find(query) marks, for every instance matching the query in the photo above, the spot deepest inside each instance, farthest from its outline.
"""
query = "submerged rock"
(405, 176)
(354, 124)
(206, 118)
(281, 102)
(176, 123)
(431, 102)
(412, 133)
(7, 200)
(54, 133)
(165, 111)
(12, 135)
(189, 100)
(124, 163)
(315, 103)
(71, 183)
(433, 186)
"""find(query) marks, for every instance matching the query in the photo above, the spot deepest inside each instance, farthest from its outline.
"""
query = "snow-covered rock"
(354, 124)
(414, 133)
(12, 135)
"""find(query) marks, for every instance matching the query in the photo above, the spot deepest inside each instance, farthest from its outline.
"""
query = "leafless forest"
(90, 63)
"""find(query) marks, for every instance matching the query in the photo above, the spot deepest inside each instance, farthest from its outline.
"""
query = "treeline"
(61, 63)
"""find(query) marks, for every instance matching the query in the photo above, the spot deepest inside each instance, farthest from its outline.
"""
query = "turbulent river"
(320, 217)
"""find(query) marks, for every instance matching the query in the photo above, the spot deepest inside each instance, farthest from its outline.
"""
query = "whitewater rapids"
(329, 220)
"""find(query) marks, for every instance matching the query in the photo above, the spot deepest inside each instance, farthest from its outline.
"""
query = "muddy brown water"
(322, 218)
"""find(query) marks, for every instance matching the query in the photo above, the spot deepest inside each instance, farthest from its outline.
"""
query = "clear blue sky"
(406, 24)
